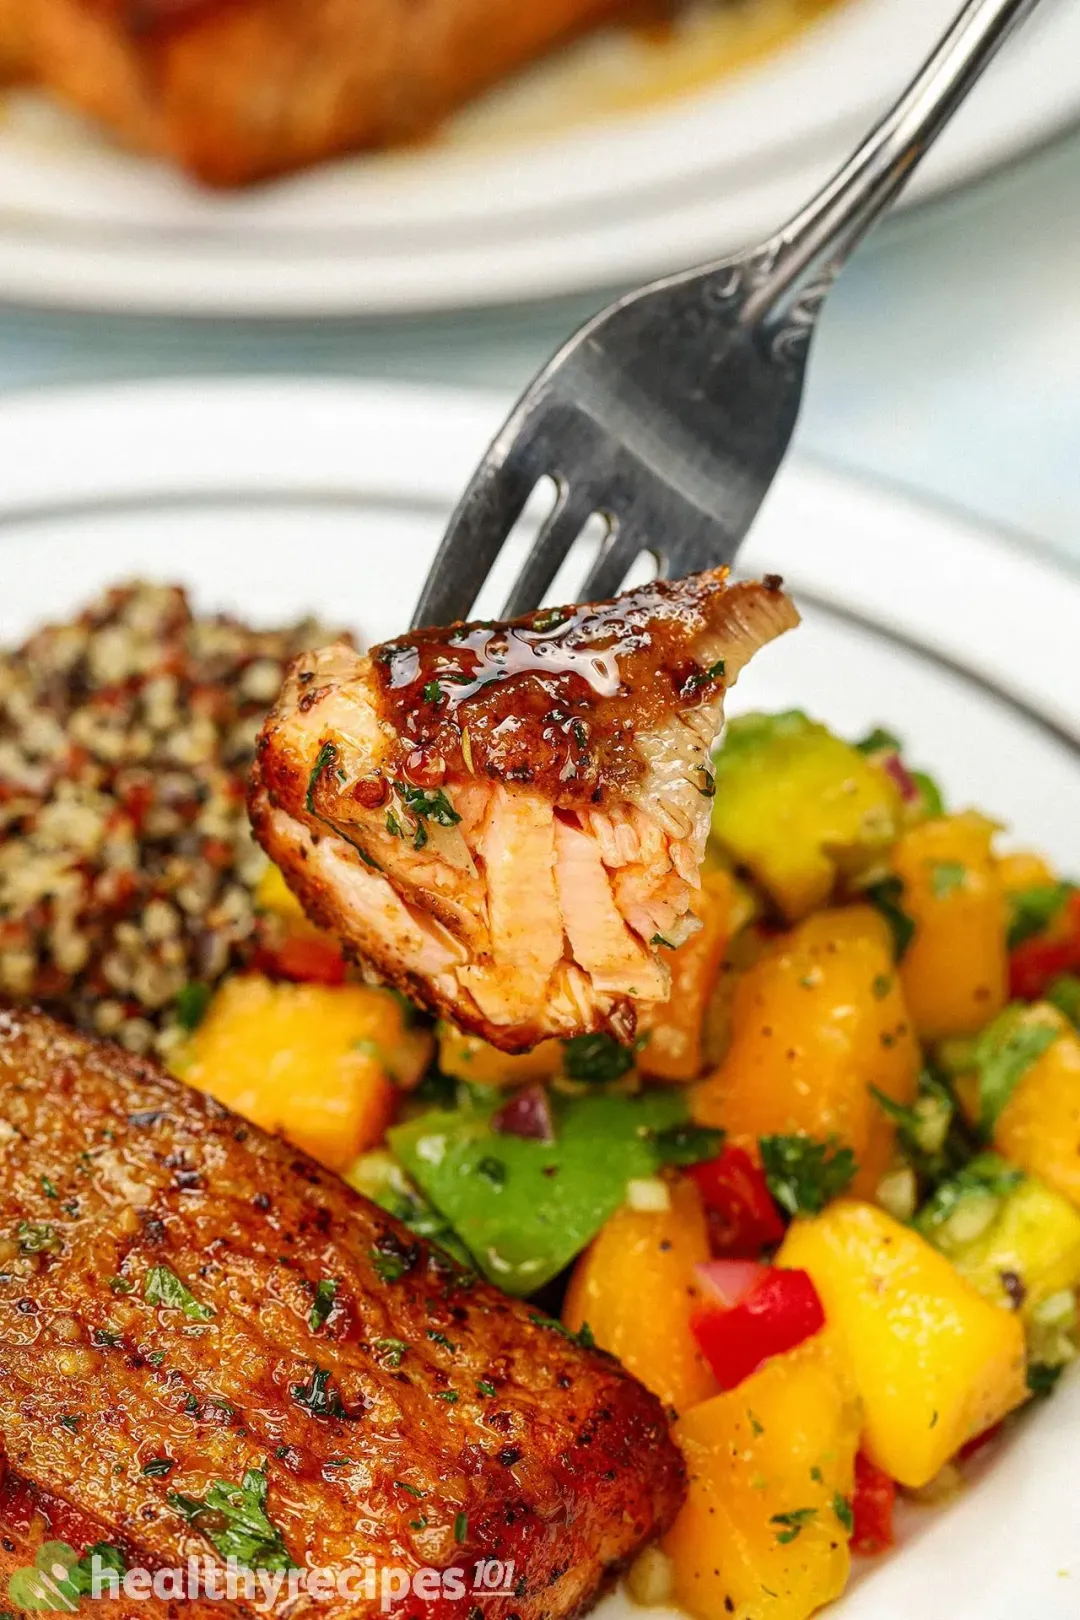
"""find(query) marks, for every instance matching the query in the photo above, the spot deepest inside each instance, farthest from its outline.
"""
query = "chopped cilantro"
(461, 1528)
(325, 757)
(431, 806)
(163, 1287)
(440, 1338)
(325, 1295)
(391, 1351)
(688, 1144)
(1004, 1053)
(493, 1170)
(596, 1058)
(1042, 1378)
(842, 1508)
(191, 1004)
(48, 1189)
(946, 877)
(319, 1396)
(393, 825)
(432, 692)
(391, 1258)
(121, 1285)
(233, 1519)
(1031, 911)
(879, 741)
(37, 1237)
(71, 1421)
(104, 1339)
(420, 836)
(403, 1485)
(886, 896)
(159, 1467)
(449, 1395)
(485, 1388)
(791, 1524)
(804, 1174)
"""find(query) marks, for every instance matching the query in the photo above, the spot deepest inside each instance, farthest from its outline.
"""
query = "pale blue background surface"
(949, 357)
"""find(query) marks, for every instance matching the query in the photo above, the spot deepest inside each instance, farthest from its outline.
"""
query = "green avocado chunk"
(525, 1208)
(800, 808)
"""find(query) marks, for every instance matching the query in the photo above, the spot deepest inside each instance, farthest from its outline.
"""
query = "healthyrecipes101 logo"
(59, 1579)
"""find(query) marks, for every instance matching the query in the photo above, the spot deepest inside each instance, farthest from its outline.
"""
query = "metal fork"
(669, 413)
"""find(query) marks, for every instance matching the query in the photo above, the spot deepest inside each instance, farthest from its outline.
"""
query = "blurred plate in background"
(620, 159)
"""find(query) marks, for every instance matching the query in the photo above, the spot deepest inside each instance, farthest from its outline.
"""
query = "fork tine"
(611, 567)
(491, 505)
(560, 529)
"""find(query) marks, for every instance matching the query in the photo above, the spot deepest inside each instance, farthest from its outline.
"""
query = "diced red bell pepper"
(743, 1219)
(1037, 962)
(872, 1508)
(304, 958)
(747, 1313)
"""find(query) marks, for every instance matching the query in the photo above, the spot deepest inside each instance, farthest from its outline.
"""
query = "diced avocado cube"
(1014, 1238)
(800, 808)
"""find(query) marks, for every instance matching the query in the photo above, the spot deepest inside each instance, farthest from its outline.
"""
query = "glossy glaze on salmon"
(507, 820)
(184, 1300)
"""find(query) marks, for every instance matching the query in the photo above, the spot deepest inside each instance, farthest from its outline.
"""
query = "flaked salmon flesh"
(507, 821)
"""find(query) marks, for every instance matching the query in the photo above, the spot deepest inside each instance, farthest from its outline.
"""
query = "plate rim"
(196, 268)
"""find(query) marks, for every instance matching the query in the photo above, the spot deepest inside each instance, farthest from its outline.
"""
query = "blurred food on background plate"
(235, 91)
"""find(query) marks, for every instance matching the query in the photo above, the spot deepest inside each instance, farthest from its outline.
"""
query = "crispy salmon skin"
(508, 820)
(186, 1302)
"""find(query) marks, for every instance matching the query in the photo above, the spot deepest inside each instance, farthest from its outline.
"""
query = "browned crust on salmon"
(109, 1168)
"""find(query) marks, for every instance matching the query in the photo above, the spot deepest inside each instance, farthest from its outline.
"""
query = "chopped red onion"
(527, 1114)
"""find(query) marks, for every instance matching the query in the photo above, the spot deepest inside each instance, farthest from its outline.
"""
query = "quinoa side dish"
(127, 865)
(470, 1100)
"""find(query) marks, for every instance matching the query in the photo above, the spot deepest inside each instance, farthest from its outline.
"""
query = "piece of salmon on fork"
(507, 820)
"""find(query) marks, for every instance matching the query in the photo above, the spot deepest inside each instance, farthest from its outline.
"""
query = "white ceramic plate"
(524, 196)
(274, 499)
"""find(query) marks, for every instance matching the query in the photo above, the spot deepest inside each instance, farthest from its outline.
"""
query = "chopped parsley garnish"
(432, 692)
(596, 1058)
(430, 805)
(1033, 910)
(233, 1519)
(68, 1578)
(842, 1508)
(461, 1528)
(191, 1004)
(104, 1339)
(420, 836)
(485, 1388)
(688, 1144)
(163, 1287)
(325, 1295)
(392, 1259)
(37, 1237)
(403, 1485)
(121, 1285)
(804, 1174)
(791, 1524)
(946, 877)
(1004, 1053)
(48, 1189)
(886, 896)
(440, 1338)
(159, 1467)
(323, 759)
(71, 1421)
(584, 1336)
(393, 825)
(391, 1351)
(156, 1357)
(319, 1396)
(449, 1395)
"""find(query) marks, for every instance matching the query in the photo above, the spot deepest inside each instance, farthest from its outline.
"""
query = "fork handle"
(800, 263)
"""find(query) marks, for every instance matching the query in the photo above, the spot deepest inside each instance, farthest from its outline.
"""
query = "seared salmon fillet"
(237, 90)
(507, 821)
(193, 1313)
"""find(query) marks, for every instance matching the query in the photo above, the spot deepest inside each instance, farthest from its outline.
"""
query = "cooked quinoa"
(127, 867)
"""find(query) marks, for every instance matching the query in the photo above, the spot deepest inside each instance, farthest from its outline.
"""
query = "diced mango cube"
(635, 1288)
(1039, 1126)
(815, 1022)
(671, 1030)
(309, 1062)
(763, 1533)
(935, 1363)
(468, 1057)
(955, 970)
